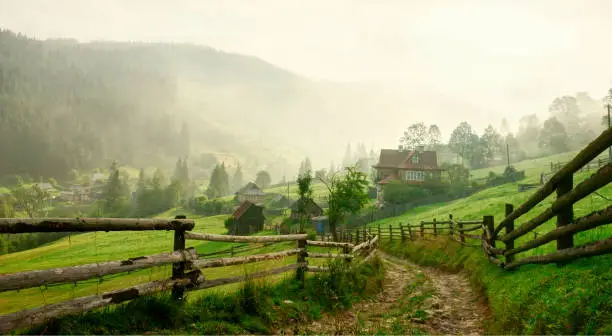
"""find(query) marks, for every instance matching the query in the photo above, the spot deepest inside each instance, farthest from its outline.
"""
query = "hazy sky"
(509, 57)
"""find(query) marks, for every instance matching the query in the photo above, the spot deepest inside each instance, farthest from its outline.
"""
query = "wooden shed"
(312, 209)
(247, 219)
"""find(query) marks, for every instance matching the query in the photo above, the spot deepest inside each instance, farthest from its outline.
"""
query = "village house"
(312, 209)
(408, 166)
(247, 219)
(250, 192)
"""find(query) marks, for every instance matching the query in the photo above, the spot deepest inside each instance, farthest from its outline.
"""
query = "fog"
(359, 71)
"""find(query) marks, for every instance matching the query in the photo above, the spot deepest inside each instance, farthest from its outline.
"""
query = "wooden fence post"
(390, 233)
(301, 258)
(490, 224)
(409, 232)
(178, 269)
(566, 215)
(379, 237)
(451, 225)
(461, 236)
(509, 228)
(422, 229)
(402, 233)
(435, 229)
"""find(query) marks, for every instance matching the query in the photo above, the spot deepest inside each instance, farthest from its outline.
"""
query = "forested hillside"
(66, 105)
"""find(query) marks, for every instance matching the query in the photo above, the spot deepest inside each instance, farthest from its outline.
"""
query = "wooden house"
(312, 209)
(248, 218)
(250, 192)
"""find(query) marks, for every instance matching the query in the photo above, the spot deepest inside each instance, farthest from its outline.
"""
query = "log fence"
(187, 265)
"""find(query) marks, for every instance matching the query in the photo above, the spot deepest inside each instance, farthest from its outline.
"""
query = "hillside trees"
(237, 179)
(304, 194)
(492, 143)
(434, 137)
(263, 178)
(115, 196)
(462, 141)
(553, 138)
(347, 194)
(415, 135)
(219, 182)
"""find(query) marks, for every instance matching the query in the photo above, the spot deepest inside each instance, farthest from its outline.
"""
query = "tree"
(115, 194)
(332, 169)
(219, 182)
(347, 194)
(7, 209)
(31, 198)
(415, 135)
(348, 157)
(206, 161)
(491, 143)
(434, 137)
(528, 134)
(505, 128)
(320, 174)
(567, 111)
(263, 179)
(553, 138)
(237, 179)
(142, 182)
(304, 194)
(462, 140)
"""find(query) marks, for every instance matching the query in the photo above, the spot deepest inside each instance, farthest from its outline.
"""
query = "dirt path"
(415, 300)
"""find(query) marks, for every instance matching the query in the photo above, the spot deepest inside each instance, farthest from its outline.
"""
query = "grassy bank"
(536, 299)
(256, 307)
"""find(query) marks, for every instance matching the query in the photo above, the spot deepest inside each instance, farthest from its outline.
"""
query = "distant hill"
(66, 105)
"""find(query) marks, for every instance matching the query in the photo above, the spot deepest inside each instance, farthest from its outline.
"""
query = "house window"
(415, 176)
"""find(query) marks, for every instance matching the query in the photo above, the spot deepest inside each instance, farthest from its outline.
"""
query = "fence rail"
(187, 264)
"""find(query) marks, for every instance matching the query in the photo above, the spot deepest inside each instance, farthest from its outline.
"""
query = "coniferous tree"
(237, 179)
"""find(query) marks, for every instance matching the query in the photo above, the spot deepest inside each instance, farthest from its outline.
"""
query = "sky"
(509, 58)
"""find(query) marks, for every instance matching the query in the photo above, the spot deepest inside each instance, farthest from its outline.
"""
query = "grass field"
(534, 299)
(108, 246)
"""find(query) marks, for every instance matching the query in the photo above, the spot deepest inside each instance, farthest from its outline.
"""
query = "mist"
(267, 84)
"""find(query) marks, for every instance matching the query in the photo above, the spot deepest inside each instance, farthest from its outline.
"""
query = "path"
(415, 300)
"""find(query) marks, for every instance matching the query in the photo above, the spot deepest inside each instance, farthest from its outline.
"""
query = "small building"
(250, 192)
(248, 218)
(280, 201)
(312, 209)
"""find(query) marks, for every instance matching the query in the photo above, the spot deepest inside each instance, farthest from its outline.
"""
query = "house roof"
(402, 159)
(242, 209)
(309, 201)
(250, 189)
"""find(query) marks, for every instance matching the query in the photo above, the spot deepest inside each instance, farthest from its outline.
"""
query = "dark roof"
(242, 209)
(402, 159)
(309, 201)
(250, 189)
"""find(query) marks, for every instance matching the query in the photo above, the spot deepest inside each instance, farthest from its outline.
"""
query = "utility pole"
(508, 153)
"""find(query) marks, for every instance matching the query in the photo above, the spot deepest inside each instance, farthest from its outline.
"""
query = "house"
(312, 209)
(247, 219)
(280, 201)
(409, 166)
(45, 186)
(98, 178)
(251, 192)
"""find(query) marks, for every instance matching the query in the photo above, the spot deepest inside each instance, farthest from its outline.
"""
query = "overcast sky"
(510, 57)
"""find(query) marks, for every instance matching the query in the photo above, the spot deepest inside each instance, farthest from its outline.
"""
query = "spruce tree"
(237, 179)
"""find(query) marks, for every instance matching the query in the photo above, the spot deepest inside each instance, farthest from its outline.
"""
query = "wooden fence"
(483, 233)
(187, 265)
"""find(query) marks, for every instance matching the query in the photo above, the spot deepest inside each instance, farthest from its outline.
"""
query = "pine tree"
(115, 192)
(224, 187)
(142, 182)
(307, 166)
(348, 157)
(237, 179)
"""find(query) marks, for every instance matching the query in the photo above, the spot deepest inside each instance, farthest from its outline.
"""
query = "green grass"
(533, 299)
(255, 307)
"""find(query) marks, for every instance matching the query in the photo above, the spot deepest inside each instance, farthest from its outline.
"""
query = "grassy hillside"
(576, 298)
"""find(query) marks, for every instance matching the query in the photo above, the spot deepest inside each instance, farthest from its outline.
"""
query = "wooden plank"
(317, 269)
(35, 316)
(30, 279)
(243, 239)
(225, 281)
(588, 250)
(469, 229)
(590, 152)
(29, 225)
(360, 246)
(329, 255)
(602, 177)
(434, 222)
(328, 244)
(590, 221)
(468, 222)
(222, 262)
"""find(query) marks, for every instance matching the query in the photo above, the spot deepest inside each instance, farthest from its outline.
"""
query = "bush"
(397, 192)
